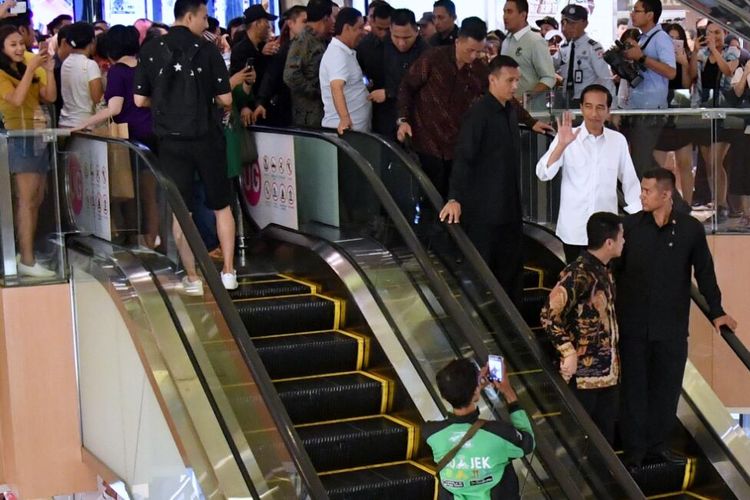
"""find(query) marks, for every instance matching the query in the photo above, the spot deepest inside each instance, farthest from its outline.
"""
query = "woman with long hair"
(22, 87)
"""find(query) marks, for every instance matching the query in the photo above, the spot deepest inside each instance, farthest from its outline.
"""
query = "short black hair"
(318, 10)
(521, 5)
(235, 23)
(122, 41)
(56, 22)
(19, 20)
(213, 23)
(80, 34)
(101, 21)
(500, 62)
(652, 6)
(448, 5)
(293, 13)
(473, 27)
(62, 34)
(623, 21)
(595, 87)
(457, 382)
(664, 178)
(183, 7)
(602, 226)
(382, 11)
(347, 16)
(404, 17)
(101, 45)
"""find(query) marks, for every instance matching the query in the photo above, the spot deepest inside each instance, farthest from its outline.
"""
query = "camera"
(624, 68)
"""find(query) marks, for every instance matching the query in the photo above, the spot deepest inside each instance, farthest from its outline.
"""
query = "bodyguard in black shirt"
(484, 192)
(663, 247)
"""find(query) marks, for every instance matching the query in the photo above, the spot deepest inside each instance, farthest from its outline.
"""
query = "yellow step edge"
(539, 272)
(689, 478)
(339, 420)
(247, 281)
(313, 286)
(695, 495)
(378, 466)
(386, 401)
(526, 372)
(276, 297)
(545, 415)
(544, 288)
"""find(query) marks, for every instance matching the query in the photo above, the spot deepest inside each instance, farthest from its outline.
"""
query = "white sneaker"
(229, 280)
(192, 288)
(35, 271)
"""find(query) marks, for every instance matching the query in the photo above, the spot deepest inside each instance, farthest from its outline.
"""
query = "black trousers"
(651, 382)
(439, 172)
(501, 247)
(572, 252)
(602, 405)
(643, 134)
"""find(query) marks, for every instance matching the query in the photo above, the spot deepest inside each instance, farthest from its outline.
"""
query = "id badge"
(578, 76)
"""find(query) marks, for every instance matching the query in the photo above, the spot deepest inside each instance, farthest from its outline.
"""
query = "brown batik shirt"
(580, 317)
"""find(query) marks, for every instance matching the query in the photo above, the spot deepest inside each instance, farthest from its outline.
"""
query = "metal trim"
(7, 224)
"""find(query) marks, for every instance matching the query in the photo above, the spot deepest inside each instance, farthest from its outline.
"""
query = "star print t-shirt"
(208, 64)
(120, 84)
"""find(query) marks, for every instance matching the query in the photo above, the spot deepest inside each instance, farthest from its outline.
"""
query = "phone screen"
(678, 45)
(495, 364)
(20, 8)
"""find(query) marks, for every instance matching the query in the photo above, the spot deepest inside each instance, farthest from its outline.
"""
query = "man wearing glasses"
(655, 55)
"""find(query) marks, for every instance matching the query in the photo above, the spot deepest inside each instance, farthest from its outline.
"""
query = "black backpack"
(180, 107)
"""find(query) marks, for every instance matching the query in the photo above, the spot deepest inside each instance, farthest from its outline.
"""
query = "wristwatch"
(642, 60)
(401, 121)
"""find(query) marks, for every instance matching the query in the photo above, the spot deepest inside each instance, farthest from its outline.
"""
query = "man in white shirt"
(346, 101)
(594, 159)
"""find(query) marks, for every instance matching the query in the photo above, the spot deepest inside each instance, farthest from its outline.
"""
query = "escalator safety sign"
(270, 184)
(252, 180)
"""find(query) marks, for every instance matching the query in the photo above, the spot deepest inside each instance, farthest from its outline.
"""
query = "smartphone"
(250, 62)
(700, 32)
(495, 364)
(20, 8)
(679, 45)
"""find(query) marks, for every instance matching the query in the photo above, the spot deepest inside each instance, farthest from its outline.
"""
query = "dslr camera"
(624, 68)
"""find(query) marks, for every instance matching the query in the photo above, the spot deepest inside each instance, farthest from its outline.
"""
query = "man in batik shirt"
(580, 319)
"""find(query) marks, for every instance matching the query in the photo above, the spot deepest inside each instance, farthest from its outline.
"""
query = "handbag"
(453, 451)
(121, 186)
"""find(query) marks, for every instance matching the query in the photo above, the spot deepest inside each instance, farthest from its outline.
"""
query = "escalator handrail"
(250, 355)
(734, 342)
(475, 260)
(451, 305)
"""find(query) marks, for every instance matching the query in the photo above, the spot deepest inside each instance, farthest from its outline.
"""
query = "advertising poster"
(270, 183)
(89, 187)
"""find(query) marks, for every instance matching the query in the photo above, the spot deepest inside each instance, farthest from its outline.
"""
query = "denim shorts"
(28, 155)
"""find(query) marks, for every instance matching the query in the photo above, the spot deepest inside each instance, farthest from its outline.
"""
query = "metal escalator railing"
(496, 309)
(287, 460)
(610, 479)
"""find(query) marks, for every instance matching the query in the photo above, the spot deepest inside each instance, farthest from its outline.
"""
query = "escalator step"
(532, 302)
(303, 354)
(335, 396)
(532, 277)
(357, 442)
(304, 313)
(269, 289)
(661, 478)
(391, 482)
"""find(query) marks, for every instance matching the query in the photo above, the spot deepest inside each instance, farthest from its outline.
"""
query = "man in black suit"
(484, 189)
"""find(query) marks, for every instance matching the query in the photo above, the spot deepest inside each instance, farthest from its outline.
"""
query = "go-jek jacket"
(481, 469)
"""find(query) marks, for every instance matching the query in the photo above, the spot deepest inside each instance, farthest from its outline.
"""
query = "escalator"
(343, 410)
(714, 469)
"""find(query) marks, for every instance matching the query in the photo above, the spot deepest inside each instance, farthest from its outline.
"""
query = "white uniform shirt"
(591, 168)
(340, 63)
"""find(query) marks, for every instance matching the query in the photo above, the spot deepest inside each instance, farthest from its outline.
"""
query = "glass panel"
(29, 210)
(731, 174)
(140, 218)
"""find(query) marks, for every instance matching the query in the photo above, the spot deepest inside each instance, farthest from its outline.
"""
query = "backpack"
(180, 107)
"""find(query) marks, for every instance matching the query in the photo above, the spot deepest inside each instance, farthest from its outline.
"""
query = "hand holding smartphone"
(496, 368)
(19, 8)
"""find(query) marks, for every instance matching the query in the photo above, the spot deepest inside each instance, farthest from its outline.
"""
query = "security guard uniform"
(589, 67)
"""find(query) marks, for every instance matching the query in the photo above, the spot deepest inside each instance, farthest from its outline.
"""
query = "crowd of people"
(457, 94)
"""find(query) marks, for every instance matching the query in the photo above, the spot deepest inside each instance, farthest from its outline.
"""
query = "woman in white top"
(81, 80)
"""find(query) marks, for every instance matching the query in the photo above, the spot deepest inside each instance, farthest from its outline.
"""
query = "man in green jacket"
(482, 468)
